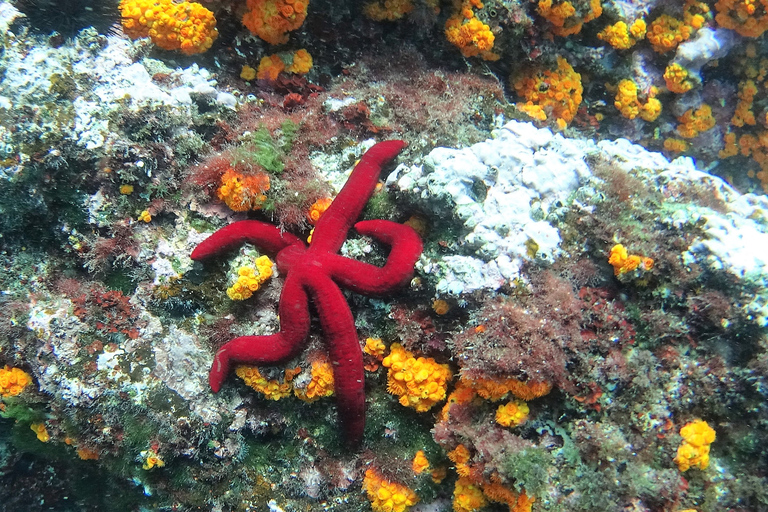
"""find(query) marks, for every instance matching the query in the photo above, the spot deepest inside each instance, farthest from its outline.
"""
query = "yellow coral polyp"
(420, 383)
(512, 414)
(250, 279)
(301, 62)
(469, 34)
(318, 209)
(550, 94)
(665, 33)
(145, 216)
(747, 17)
(621, 36)
(13, 381)
(675, 145)
(375, 347)
(271, 389)
(41, 432)
(185, 26)
(630, 106)
(695, 121)
(623, 262)
(386, 496)
(271, 20)
(467, 497)
(494, 390)
(678, 78)
(151, 460)
(694, 450)
(243, 192)
(564, 18)
(321, 384)
(387, 10)
(420, 463)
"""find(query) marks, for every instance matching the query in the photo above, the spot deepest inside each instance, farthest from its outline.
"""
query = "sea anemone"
(68, 17)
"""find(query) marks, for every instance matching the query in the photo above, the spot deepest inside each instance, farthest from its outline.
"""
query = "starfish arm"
(271, 349)
(266, 236)
(345, 353)
(331, 230)
(369, 279)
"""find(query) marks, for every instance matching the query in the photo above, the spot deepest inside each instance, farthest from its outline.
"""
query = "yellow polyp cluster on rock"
(250, 279)
(145, 216)
(271, 389)
(387, 496)
(467, 497)
(744, 113)
(271, 66)
(624, 262)
(375, 347)
(512, 414)
(492, 389)
(420, 383)
(665, 33)
(13, 381)
(630, 106)
(465, 31)
(678, 79)
(301, 63)
(318, 209)
(676, 145)
(622, 36)
(185, 26)
(243, 192)
(747, 17)
(564, 17)
(41, 432)
(321, 384)
(387, 10)
(695, 121)
(420, 463)
(440, 306)
(151, 460)
(550, 94)
(271, 20)
(694, 450)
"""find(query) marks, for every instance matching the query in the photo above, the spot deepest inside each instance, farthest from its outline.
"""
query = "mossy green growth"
(528, 468)
(266, 150)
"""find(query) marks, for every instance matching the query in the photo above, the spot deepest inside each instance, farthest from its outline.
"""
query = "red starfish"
(317, 271)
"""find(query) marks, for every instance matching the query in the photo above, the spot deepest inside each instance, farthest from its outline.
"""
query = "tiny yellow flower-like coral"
(271, 389)
(41, 432)
(151, 460)
(243, 192)
(145, 216)
(465, 31)
(247, 73)
(622, 36)
(695, 121)
(318, 209)
(678, 79)
(565, 18)
(440, 306)
(387, 10)
(512, 414)
(494, 390)
(387, 496)
(467, 497)
(624, 262)
(420, 463)
(250, 279)
(301, 62)
(13, 381)
(420, 383)
(185, 26)
(375, 347)
(665, 33)
(630, 105)
(747, 17)
(126, 189)
(271, 20)
(460, 457)
(694, 450)
(550, 94)
(271, 66)
(744, 113)
(321, 384)
(676, 145)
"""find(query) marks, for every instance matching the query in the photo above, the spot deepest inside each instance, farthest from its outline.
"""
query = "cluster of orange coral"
(387, 496)
(747, 17)
(13, 381)
(243, 192)
(271, 389)
(318, 209)
(467, 497)
(550, 94)
(387, 10)
(497, 389)
(743, 113)
(622, 36)
(695, 121)
(271, 20)
(320, 384)
(419, 382)
(465, 31)
(623, 262)
(665, 33)
(270, 66)
(694, 450)
(678, 79)
(512, 414)
(675, 145)
(250, 279)
(185, 26)
(564, 17)
(630, 106)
